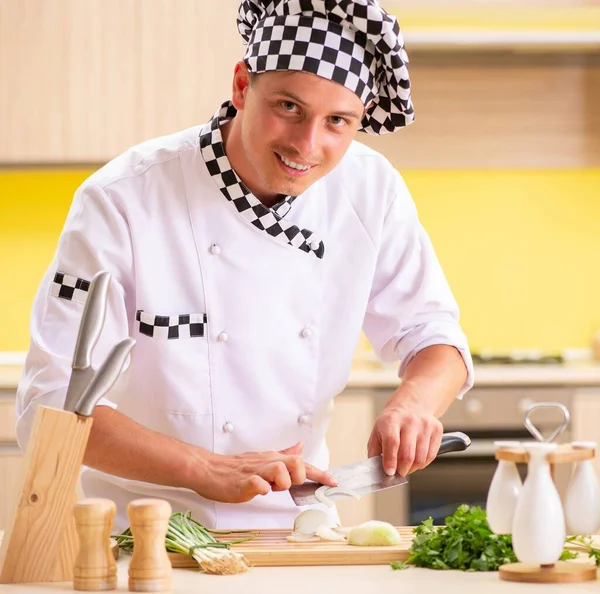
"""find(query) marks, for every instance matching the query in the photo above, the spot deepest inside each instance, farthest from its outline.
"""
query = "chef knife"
(105, 377)
(90, 328)
(368, 476)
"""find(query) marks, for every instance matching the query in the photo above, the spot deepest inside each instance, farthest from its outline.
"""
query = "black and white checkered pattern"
(269, 220)
(71, 288)
(355, 43)
(171, 327)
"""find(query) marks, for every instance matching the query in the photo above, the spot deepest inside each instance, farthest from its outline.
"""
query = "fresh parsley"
(465, 542)
(585, 544)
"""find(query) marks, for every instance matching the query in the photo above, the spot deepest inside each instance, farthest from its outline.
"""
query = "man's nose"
(305, 138)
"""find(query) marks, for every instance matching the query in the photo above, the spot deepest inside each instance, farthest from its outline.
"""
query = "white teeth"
(294, 165)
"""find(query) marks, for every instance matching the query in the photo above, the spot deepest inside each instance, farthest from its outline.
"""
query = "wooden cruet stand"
(561, 571)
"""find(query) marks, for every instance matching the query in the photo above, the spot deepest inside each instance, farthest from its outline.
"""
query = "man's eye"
(337, 120)
(288, 105)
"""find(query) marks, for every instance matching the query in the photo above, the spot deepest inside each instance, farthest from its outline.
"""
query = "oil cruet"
(538, 531)
(582, 500)
(504, 492)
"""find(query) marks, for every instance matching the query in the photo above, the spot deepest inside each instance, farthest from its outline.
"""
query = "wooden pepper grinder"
(150, 568)
(95, 567)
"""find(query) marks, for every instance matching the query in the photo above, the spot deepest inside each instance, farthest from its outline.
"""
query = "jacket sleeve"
(95, 237)
(411, 306)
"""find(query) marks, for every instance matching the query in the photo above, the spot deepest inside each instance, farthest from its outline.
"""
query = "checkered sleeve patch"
(71, 288)
(172, 327)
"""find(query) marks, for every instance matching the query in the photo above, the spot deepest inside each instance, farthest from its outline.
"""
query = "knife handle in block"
(95, 566)
(150, 567)
(40, 543)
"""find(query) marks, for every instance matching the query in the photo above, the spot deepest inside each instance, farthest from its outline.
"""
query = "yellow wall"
(520, 249)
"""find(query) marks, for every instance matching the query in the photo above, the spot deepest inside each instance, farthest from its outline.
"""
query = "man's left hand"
(407, 435)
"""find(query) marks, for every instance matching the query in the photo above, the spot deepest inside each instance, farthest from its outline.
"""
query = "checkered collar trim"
(269, 220)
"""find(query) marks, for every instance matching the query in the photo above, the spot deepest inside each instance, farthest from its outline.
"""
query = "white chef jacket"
(245, 318)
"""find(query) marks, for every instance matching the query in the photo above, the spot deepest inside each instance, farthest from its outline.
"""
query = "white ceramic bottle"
(582, 500)
(504, 492)
(538, 532)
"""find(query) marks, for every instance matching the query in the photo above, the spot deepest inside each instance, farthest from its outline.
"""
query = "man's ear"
(241, 83)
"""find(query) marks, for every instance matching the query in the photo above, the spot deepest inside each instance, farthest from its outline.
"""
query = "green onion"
(188, 537)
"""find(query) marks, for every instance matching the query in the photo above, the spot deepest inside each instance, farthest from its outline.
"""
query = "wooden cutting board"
(269, 548)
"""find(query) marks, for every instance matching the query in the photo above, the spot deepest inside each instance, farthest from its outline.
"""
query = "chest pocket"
(172, 351)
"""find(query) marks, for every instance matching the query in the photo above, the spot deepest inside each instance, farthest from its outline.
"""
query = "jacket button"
(303, 419)
(228, 428)
(314, 245)
(222, 337)
(306, 333)
(215, 250)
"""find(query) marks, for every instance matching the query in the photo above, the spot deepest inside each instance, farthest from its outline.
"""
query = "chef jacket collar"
(269, 220)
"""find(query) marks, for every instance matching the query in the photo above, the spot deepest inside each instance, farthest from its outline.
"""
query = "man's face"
(296, 127)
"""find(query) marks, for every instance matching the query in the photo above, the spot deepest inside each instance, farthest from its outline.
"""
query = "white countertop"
(351, 579)
(374, 376)
(568, 374)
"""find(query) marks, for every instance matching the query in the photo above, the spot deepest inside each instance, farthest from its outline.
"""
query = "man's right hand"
(237, 479)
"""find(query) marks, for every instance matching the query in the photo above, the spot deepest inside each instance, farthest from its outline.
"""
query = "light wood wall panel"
(499, 110)
(81, 80)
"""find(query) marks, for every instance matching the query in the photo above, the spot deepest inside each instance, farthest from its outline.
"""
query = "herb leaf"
(399, 565)
(465, 542)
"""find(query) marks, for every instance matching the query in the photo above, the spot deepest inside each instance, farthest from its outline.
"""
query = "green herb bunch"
(465, 542)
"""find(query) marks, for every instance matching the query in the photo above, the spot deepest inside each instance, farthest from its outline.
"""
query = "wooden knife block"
(41, 541)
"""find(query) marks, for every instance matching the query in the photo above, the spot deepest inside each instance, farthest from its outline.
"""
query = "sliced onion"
(322, 494)
(300, 537)
(326, 533)
(344, 530)
(308, 521)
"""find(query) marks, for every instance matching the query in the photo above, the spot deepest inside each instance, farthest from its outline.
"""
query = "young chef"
(246, 256)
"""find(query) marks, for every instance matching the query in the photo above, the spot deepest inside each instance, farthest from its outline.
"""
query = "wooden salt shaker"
(95, 567)
(150, 568)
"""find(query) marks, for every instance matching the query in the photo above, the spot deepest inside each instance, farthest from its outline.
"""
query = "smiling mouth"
(294, 166)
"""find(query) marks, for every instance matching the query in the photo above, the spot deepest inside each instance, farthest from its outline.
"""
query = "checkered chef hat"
(352, 42)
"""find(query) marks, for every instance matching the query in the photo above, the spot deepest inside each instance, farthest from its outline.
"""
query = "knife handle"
(455, 441)
(92, 320)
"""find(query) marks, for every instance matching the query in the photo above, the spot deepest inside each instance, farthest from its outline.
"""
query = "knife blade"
(105, 377)
(90, 328)
(368, 476)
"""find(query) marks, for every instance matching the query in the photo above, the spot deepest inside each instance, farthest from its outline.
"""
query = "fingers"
(319, 476)
(252, 486)
(390, 442)
(407, 448)
(296, 449)
(276, 473)
(296, 468)
(434, 444)
(374, 445)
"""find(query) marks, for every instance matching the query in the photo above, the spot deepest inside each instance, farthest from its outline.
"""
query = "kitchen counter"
(357, 579)
(375, 376)
(568, 374)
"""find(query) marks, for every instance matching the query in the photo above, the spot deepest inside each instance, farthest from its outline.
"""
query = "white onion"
(322, 494)
(308, 521)
(374, 533)
(326, 533)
